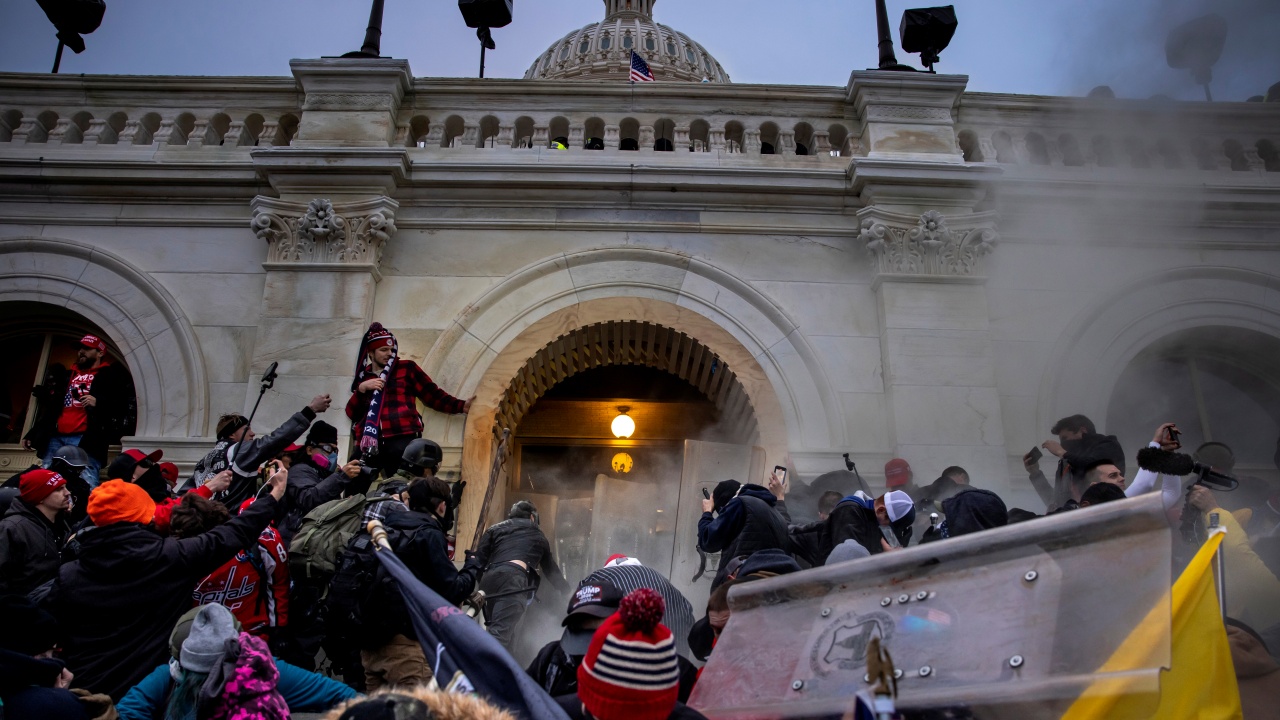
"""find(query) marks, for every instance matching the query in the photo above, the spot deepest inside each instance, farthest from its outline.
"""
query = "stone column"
(325, 230)
(939, 368)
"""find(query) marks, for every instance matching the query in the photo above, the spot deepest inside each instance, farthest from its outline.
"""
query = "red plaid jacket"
(407, 384)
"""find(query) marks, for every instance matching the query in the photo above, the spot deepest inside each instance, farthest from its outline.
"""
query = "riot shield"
(1012, 622)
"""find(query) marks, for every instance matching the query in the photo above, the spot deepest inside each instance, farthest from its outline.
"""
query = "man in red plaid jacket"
(398, 419)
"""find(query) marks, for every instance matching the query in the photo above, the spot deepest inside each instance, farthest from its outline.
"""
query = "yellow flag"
(1201, 684)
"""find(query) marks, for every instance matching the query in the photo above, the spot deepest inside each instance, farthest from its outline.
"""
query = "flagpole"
(1219, 563)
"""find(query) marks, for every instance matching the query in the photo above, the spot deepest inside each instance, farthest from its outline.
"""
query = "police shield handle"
(379, 534)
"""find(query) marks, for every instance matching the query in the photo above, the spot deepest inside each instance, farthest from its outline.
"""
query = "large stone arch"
(1101, 341)
(490, 341)
(143, 320)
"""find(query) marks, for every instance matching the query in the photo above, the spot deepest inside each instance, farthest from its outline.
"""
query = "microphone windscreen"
(1165, 462)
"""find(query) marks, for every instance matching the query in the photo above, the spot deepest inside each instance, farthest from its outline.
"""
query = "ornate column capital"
(928, 245)
(320, 235)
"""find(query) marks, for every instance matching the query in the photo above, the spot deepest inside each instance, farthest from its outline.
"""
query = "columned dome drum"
(602, 50)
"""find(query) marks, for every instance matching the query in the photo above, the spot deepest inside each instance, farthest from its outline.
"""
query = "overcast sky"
(1063, 47)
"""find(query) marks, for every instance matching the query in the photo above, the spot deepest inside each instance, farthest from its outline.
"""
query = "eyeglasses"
(327, 447)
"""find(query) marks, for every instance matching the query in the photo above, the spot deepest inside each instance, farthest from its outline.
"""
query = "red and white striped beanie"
(630, 670)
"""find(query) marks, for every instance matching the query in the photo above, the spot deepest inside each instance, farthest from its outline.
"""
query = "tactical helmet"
(73, 456)
(422, 454)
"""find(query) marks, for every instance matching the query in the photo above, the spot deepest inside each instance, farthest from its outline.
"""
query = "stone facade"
(913, 271)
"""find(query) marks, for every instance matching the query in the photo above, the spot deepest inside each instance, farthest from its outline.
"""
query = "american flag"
(640, 71)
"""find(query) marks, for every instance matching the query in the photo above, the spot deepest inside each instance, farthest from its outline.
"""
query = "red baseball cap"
(37, 485)
(93, 341)
(170, 472)
(139, 456)
(896, 472)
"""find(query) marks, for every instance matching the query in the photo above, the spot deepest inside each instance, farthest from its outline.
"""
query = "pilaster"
(907, 116)
(349, 102)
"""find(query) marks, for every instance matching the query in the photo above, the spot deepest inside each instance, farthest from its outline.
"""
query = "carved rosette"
(930, 246)
(323, 234)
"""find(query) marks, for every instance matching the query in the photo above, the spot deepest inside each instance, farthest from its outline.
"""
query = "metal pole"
(373, 33)
(482, 48)
(887, 58)
(57, 59)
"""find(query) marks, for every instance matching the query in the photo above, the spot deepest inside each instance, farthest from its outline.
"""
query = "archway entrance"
(599, 494)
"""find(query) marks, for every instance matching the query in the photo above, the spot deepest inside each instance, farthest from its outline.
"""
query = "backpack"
(324, 534)
(361, 600)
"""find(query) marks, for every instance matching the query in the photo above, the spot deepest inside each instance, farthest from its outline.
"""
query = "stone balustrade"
(452, 115)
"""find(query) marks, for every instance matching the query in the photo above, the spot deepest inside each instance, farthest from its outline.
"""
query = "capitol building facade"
(758, 275)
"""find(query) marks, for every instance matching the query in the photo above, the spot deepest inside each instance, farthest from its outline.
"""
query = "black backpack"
(363, 604)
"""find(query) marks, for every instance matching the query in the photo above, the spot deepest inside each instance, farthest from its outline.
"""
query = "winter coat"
(406, 387)
(29, 547)
(678, 612)
(243, 685)
(27, 689)
(850, 519)
(519, 539)
(253, 585)
(108, 419)
(971, 510)
(118, 601)
(303, 692)
(754, 520)
(557, 673)
(243, 458)
(305, 492)
(420, 543)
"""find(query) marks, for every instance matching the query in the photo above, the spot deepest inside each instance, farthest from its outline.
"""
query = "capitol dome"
(603, 50)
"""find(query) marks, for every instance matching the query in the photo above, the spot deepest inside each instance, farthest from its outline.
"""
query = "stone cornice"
(931, 245)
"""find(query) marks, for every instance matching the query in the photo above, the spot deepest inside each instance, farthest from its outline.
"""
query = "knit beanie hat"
(847, 550)
(630, 670)
(36, 485)
(182, 630)
(375, 337)
(116, 501)
(725, 491)
(322, 433)
(205, 645)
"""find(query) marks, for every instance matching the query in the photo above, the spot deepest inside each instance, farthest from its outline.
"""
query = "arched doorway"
(602, 491)
(39, 339)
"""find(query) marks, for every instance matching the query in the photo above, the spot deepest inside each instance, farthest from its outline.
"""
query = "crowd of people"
(251, 588)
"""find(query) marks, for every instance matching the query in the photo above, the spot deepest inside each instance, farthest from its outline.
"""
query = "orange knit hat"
(116, 501)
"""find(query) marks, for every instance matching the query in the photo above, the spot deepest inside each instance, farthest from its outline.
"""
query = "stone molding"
(909, 114)
(930, 245)
(322, 236)
(350, 101)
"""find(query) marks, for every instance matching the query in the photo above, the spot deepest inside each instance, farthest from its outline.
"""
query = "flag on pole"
(463, 657)
(640, 71)
(1201, 682)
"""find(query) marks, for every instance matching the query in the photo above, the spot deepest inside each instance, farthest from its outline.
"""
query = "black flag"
(463, 657)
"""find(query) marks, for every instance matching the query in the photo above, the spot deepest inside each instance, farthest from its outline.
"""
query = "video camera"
(1172, 463)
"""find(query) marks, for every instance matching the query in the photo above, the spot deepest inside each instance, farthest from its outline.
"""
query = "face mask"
(321, 461)
(332, 459)
(446, 522)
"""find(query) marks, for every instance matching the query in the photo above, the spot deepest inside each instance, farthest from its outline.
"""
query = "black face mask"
(446, 522)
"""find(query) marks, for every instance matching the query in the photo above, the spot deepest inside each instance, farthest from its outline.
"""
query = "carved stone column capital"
(928, 245)
(323, 236)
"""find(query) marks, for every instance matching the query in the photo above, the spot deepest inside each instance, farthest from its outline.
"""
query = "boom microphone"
(1172, 463)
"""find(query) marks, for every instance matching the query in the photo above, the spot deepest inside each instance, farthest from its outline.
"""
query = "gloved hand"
(455, 495)
(474, 560)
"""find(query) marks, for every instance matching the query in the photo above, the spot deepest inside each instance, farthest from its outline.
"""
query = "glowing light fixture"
(623, 426)
(622, 464)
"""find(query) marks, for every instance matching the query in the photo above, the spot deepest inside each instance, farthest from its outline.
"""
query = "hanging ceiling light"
(623, 426)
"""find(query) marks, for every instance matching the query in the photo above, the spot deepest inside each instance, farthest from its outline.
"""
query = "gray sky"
(1014, 46)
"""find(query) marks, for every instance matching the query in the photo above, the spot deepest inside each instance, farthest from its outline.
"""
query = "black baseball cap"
(591, 599)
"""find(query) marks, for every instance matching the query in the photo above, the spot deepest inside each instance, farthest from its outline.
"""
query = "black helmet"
(422, 454)
(72, 456)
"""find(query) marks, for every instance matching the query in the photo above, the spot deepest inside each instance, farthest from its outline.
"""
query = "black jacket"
(117, 603)
(520, 539)
(754, 520)
(851, 520)
(29, 547)
(244, 458)
(108, 420)
(1090, 448)
(420, 543)
(27, 689)
(557, 673)
(305, 492)
(572, 706)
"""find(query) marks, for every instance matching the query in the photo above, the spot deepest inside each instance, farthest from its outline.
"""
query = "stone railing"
(1144, 135)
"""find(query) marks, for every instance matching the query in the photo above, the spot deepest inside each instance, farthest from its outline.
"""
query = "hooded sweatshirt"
(754, 520)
